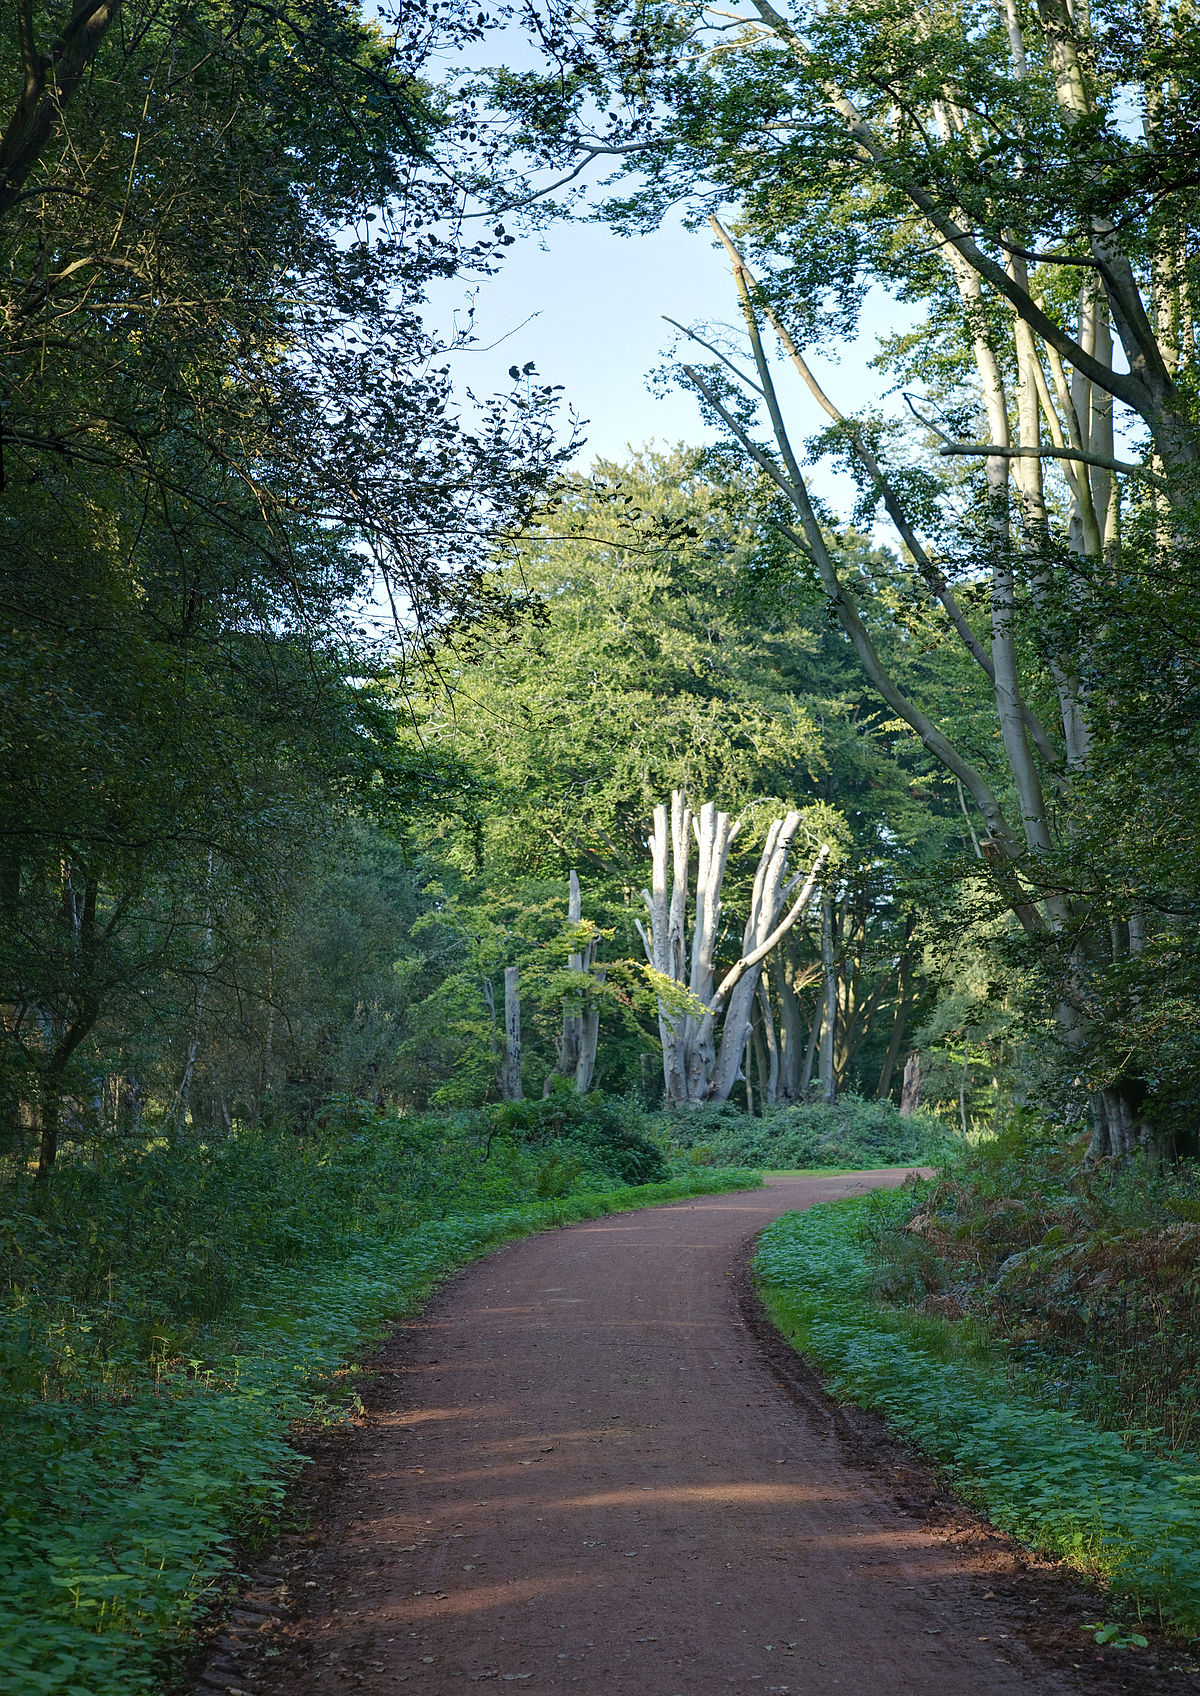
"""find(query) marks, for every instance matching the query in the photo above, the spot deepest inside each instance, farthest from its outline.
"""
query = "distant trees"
(675, 652)
(698, 1063)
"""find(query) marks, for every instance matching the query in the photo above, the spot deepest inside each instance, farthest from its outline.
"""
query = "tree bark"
(694, 1069)
(899, 1022)
(510, 1064)
(829, 1005)
(910, 1089)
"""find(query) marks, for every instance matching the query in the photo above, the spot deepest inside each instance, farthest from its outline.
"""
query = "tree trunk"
(910, 1088)
(829, 1005)
(585, 1070)
(791, 1026)
(899, 1022)
(571, 1043)
(510, 1064)
(694, 1069)
(49, 1120)
(770, 1075)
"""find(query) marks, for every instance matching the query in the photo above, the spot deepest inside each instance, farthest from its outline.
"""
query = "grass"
(172, 1312)
(1058, 1483)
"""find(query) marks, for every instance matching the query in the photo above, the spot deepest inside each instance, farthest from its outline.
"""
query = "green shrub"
(853, 1134)
(1089, 1274)
(608, 1133)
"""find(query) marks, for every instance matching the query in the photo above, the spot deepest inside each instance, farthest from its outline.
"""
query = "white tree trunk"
(910, 1089)
(695, 1069)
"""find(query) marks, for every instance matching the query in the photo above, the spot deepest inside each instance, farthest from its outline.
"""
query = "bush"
(608, 1134)
(853, 1134)
(1089, 1275)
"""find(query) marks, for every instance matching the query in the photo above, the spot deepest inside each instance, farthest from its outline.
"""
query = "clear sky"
(587, 307)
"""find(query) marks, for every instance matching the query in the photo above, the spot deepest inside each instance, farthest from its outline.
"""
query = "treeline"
(1016, 176)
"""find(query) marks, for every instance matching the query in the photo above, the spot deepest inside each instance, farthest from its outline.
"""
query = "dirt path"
(581, 1473)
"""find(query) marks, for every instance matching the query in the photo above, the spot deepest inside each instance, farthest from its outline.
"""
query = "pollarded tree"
(677, 650)
(698, 1064)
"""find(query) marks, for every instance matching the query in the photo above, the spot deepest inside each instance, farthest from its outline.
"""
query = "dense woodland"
(401, 816)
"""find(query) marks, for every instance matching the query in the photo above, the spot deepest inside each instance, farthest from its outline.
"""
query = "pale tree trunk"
(510, 1061)
(829, 1005)
(770, 1075)
(664, 942)
(910, 1088)
(695, 1068)
(580, 1037)
(586, 1066)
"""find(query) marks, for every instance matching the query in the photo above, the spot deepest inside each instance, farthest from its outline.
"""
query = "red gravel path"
(582, 1474)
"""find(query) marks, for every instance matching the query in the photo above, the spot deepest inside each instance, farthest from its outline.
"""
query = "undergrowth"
(172, 1308)
(850, 1135)
(1045, 1475)
(1089, 1274)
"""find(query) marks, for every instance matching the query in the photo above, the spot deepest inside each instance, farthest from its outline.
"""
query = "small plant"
(1047, 1476)
(1116, 1637)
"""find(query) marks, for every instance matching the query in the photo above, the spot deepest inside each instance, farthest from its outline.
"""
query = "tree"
(222, 423)
(695, 1066)
(676, 649)
(980, 161)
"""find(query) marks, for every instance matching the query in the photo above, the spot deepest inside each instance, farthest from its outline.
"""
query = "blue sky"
(587, 307)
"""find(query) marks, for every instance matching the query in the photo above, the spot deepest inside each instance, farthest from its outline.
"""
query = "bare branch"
(988, 450)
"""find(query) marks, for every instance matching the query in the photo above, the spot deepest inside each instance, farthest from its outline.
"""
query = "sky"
(587, 307)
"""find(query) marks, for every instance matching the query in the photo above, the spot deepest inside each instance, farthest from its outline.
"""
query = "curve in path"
(584, 1477)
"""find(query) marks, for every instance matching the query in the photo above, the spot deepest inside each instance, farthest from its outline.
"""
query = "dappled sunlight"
(480, 1597)
(430, 1415)
(744, 1494)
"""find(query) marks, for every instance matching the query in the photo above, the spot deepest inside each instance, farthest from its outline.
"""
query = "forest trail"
(580, 1472)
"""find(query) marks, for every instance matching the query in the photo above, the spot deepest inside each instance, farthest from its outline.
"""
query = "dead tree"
(581, 1007)
(704, 1024)
(509, 1079)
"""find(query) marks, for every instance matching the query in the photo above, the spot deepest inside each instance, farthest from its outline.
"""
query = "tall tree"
(980, 160)
(223, 429)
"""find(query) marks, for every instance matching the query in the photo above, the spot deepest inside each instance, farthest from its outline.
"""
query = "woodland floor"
(591, 1466)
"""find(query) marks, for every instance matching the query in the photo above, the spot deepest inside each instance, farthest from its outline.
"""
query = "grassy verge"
(120, 1510)
(1046, 1476)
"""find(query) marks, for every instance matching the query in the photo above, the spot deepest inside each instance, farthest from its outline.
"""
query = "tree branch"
(50, 81)
(988, 450)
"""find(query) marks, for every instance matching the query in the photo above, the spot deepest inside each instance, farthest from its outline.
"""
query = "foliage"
(171, 1310)
(983, 167)
(669, 654)
(225, 431)
(1087, 1274)
(1046, 1476)
(851, 1134)
(608, 1133)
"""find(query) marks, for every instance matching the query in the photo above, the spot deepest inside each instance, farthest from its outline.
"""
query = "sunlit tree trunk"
(510, 1061)
(697, 1065)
